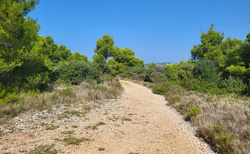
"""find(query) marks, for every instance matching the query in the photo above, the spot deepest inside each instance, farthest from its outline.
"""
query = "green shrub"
(31, 76)
(172, 97)
(233, 85)
(232, 82)
(248, 89)
(158, 77)
(194, 111)
(103, 67)
(127, 73)
(148, 75)
(67, 92)
(43, 149)
(220, 139)
(158, 89)
(76, 71)
(134, 73)
(206, 70)
(155, 75)
(170, 89)
(200, 85)
(74, 141)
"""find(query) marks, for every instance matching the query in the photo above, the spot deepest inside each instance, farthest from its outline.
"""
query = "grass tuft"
(74, 141)
(101, 149)
(86, 107)
(73, 112)
(44, 149)
(68, 132)
(51, 127)
(95, 126)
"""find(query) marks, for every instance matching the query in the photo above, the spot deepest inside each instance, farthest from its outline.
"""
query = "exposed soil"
(138, 122)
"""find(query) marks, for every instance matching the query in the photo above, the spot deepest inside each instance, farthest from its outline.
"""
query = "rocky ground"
(137, 122)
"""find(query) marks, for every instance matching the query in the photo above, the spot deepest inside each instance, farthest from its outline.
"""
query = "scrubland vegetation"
(211, 90)
(36, 73)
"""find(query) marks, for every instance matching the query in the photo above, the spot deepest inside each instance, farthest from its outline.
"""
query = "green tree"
(231, 48)
(49, 49)
(171, 71)
(18, 34)
(123, 58)
(183, 70)
(232, 56)
(210, 47)
(152, 65)
(245, 51)
(78, 56)
(104, 48)
(237, 71)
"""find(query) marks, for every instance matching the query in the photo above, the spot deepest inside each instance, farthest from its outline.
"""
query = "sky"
(156, 30)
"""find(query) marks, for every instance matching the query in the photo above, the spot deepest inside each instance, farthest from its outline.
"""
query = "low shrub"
(103, 67)
(74, 141)
(170, 89)
(134, 73)
(233, 85)
(44, 149)
(157, 89)
(158, 77)
(172, 97)
(67, 92)
(232, 82)
(155, 75)
(194, 111)
(220, 139)
(200, 85)
(76, 71)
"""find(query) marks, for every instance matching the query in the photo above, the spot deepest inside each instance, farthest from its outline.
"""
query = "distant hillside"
(161, 64)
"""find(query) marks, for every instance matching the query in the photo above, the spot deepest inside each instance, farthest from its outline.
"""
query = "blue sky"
(157, 30)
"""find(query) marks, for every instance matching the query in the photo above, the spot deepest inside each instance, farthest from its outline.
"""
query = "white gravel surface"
(138, 122)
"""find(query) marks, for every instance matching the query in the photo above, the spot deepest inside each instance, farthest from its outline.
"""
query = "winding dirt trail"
(138, 122)
(144, 124)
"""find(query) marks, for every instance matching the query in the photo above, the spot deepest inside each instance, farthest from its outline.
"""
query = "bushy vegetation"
(206, 70)
(76, 71)
(194, 111)
(134, 73)
(211, 90)
(32, 65)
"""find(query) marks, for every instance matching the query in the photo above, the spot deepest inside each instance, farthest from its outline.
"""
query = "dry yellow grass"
(228, 111)
(64, 94)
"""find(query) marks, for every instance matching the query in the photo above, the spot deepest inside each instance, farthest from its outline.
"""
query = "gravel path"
(138, 122)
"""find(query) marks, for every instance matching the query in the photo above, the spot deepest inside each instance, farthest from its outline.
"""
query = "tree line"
(30, 62)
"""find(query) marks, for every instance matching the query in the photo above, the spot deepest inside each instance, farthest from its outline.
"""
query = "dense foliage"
(29, 62)
(104, 48)
(231, 56)
(217, 66)
(218, 69)
(18, 35)
(123, 58)
(76, 71)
